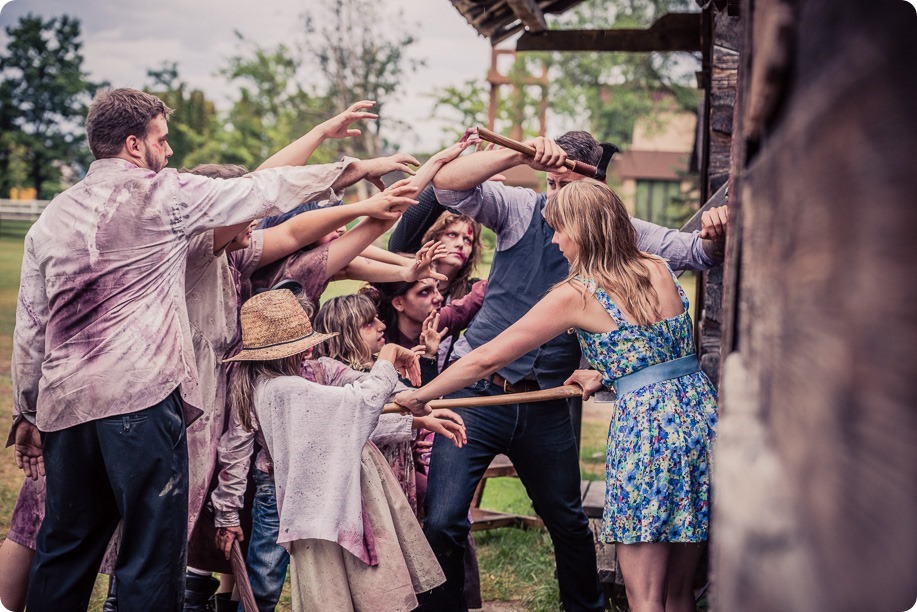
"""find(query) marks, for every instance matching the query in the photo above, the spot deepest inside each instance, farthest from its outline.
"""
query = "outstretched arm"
(298, 152)
(304, 229)
(557, 312)
(371, 271)
(471, 170)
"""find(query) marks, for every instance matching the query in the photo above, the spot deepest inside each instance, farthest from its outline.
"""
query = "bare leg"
(683, 560)
(15, 561)
(227, 582)
(645, 566)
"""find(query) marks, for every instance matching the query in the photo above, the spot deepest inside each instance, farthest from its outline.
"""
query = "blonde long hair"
(244, 376)
(596, 220)
(346, 314)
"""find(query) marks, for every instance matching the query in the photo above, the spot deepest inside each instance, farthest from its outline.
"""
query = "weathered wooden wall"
(721, 70)
(815, 475)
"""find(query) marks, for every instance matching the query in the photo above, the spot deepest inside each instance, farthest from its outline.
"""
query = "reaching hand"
(389, 204)
(429, 335)
(339, 125)
(713, 223)
(589, 380)
(405, 361)
(428, 254)
(406, 400)
(445, 423)
(28, 450)
(226, 536)
(375, 169)
(470, 139)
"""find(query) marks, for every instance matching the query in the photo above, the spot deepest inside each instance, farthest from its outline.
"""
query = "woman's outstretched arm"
(557, 312)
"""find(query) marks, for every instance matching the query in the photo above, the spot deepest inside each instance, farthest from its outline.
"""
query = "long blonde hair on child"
(596, 220)
(346, 314)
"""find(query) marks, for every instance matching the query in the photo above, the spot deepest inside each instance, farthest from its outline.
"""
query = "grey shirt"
(508, 212)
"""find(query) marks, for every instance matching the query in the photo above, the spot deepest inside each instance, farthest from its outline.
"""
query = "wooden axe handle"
(576, 166)
(498, 400)
(240, 573)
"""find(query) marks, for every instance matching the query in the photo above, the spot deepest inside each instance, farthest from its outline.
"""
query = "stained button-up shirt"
(101, 323)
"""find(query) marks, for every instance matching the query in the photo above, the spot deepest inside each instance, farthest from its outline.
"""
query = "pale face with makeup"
(458, 239)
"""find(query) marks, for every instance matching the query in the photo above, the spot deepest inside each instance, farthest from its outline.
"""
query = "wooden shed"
(810, 328)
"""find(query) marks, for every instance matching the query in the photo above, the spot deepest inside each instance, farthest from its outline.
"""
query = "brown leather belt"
(523, 386)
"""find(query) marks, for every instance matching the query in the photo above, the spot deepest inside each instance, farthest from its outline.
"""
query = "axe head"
(601, 168)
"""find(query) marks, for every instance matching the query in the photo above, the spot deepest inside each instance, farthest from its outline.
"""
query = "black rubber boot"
(199, 592)
(224, 603)
(111, 602)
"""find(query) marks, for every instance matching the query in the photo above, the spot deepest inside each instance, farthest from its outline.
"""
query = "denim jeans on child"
(267, 561)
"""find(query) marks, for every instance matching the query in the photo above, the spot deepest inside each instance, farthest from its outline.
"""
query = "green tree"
(362, 54)
(194, 119)
(608, 91)
(44, 94)
(274, 107)
(604, 93)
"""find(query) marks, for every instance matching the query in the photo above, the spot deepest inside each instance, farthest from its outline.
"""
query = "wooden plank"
(594, 500)
(671, 32)
(528, 12)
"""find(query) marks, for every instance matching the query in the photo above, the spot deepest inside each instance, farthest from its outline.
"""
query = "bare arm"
(377, 254)
(557, 312)
(471, 170)
(371, 271)
(304, 229)
(298, 152)
(345, 249)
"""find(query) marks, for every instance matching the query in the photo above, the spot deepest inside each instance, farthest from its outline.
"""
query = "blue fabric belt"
(656, 373)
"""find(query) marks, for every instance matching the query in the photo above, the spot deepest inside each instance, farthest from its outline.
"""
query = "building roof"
(652, 165)
(500, 19)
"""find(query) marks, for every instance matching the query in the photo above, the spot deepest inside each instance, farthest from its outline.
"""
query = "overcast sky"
(123, 39)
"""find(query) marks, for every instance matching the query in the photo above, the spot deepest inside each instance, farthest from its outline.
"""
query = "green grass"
(516, 565)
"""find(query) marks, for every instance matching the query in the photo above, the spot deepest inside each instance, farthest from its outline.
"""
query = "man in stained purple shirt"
(102, 344)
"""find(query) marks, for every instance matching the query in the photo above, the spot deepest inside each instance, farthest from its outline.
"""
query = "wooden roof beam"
(671, 32)
(529, 14)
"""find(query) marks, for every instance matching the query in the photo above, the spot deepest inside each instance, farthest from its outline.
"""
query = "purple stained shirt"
(101, 323)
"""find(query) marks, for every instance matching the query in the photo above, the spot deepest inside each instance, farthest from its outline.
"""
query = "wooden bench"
(500, 467)
(593, 493)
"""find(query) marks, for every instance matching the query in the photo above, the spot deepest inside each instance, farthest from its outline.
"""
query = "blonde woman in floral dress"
(633, 325)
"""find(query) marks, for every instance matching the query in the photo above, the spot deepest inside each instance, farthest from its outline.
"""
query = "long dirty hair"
(346, 314)
(460, 286)
(244, 376)
(597, 222)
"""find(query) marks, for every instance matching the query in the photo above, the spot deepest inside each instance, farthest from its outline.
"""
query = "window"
(660, 202)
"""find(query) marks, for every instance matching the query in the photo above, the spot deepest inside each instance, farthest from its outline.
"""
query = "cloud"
(123, 40)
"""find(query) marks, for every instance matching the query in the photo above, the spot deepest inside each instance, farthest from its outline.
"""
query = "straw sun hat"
(275, 326)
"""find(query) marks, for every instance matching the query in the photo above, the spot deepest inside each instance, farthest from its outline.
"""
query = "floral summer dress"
(659, 441)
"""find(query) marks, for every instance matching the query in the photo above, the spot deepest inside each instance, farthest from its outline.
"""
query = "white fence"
(21, 210)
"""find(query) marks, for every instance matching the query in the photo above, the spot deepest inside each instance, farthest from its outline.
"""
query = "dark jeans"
(539, 440)
(131, 468)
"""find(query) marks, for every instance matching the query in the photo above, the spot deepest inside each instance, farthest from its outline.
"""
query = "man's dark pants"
(132, 467)
(539, 440)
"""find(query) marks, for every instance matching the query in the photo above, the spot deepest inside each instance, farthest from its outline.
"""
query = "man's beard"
(151, 162)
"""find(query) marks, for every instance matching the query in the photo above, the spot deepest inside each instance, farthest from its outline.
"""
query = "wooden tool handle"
(576, 166)
(498, 400)
(240, 573)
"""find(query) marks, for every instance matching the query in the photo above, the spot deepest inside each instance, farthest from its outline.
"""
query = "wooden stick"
(576, 166)
(498, 400)
(240, 573)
